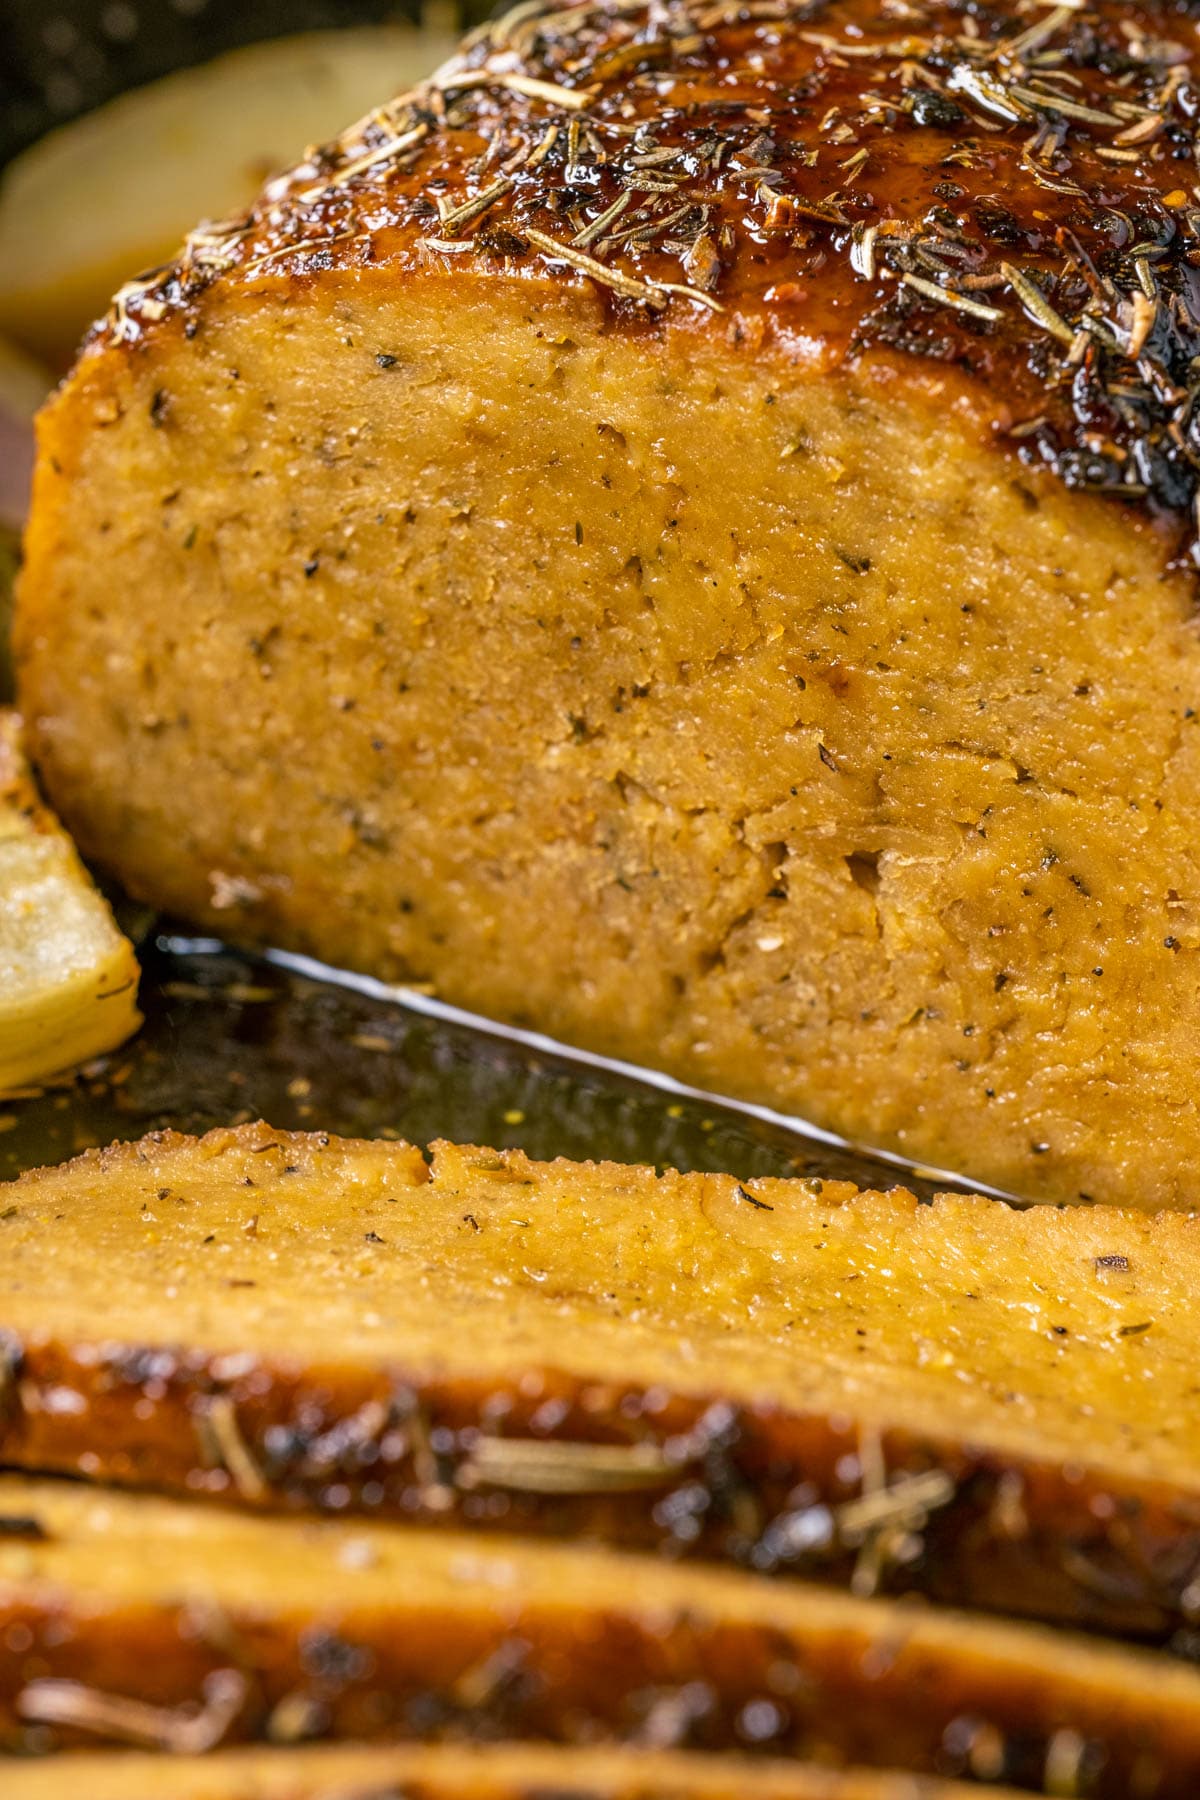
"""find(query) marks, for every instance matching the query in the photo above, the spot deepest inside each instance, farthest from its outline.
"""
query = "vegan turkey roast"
(679, 532)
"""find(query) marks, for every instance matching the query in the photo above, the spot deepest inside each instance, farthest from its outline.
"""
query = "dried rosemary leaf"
(601, 223)
(907, 1500)
(1036, 304)
(232, 1451)
(181, 1733)
(528, 1465)
(588, 265)
(947, 297)
(475, 209)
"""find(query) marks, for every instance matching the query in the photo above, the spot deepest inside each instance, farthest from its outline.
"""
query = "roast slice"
(994, 1406)
(178, 1624)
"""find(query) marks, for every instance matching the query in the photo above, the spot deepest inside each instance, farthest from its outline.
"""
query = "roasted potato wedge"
(68, 978)
(113, 193)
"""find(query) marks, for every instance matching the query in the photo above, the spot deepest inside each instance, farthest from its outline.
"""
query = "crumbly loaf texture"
(992, 1406)
(667, 534)
(68, 977)
(127, 1618)
(500, 1772)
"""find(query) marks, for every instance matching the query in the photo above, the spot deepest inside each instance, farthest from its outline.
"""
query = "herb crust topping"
(1002, 187)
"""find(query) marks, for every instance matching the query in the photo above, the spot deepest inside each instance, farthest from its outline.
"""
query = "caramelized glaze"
(1008, 189)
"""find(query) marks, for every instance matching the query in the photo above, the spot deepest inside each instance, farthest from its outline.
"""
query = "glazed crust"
(162, 1624)
(1013, 1537)
(998, 189)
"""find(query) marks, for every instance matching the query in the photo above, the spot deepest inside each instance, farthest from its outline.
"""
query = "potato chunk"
(114, 192)
(68, 978)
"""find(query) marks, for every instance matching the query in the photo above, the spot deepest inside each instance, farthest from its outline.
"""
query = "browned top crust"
(1001, 186)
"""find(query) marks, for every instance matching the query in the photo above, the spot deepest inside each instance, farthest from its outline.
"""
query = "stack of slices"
(461, 1474)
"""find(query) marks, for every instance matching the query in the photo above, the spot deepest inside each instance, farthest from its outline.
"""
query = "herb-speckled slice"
(180, 1625)
(989, 1405)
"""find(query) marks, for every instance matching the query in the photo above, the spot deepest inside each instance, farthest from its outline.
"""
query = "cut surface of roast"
(668, 535)
(499, 1772)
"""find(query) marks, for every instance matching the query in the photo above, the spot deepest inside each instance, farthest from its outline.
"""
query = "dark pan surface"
(60, 58)
(229, 1037)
